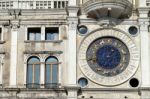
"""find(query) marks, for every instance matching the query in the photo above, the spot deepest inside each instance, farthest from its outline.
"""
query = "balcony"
(33, 4)
(118, 9)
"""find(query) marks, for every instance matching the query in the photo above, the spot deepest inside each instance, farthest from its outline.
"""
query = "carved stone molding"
(15, 25)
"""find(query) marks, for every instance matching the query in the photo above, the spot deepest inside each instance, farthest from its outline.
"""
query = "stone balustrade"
(33, 4)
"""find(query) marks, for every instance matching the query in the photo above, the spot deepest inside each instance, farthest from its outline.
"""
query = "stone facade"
(102, 19)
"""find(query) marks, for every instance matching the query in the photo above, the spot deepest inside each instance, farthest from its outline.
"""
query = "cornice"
(43, 52)
(32, 12)
(90, 21)
(43, 22)
(143, 8)
(116, 89)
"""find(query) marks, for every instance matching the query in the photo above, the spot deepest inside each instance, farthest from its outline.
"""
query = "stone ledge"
(44, 41)
(2, 42)
(111, 89)
(43, 52)
(72, 87)
(33, 89)
(31, 12)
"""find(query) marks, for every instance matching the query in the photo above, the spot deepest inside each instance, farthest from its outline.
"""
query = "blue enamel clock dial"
(108, 56)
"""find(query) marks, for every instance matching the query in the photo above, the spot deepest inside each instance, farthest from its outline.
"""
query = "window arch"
(51, 72)
(33, 72)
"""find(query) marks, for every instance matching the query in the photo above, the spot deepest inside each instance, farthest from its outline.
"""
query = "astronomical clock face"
(108, 57)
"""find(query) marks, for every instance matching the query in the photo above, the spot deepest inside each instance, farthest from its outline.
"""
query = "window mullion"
(33, 75)
(43, 33)
(51, 74)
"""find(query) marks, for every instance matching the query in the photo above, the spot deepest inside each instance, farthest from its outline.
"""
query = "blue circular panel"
(83, 29)
(83, 82)
(108, 57)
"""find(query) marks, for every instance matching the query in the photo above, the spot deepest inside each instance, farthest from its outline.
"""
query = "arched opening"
(51, 72)
(33, 72)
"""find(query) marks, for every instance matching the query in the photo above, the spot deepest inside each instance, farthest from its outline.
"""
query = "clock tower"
(113, 49)
(74, 49)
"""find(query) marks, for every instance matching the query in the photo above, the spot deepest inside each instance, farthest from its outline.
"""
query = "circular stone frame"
(115, 80)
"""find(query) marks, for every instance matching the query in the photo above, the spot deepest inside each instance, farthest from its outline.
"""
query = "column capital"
(72, 20)
(144, 23)
(72, 10)
(15, 24)
(143, 11)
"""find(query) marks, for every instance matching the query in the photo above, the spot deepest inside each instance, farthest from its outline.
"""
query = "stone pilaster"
(72, 52)
(145, 52)
(13, 53)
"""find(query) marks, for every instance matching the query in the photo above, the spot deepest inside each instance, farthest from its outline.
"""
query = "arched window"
(51, 72)
(33, 72)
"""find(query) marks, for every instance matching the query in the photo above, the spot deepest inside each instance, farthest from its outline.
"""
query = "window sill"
(44, 41)
(43, 86)
(43, 52)
(2, 52)
(2, 42)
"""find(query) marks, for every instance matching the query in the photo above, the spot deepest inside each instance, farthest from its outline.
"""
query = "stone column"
(72, 87)
(42, 73)
(13, 53)
(145, 52)
(72, 50)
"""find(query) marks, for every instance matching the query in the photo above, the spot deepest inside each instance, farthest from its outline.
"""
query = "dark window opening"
(51, 33)
(34, 34)
(55, 4)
